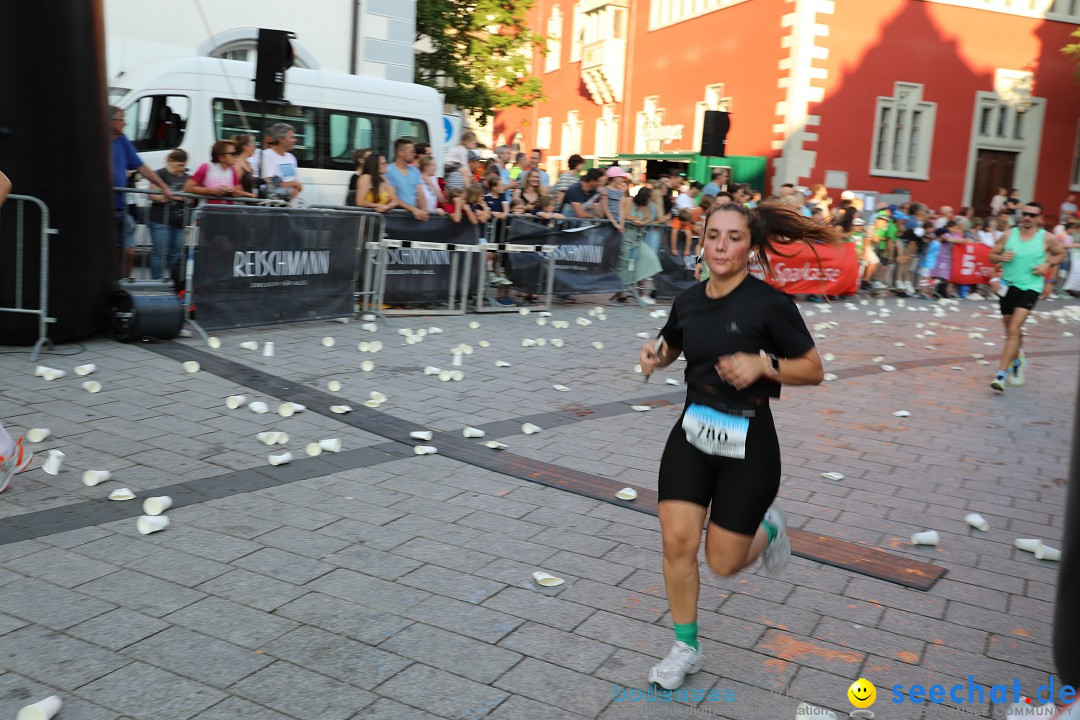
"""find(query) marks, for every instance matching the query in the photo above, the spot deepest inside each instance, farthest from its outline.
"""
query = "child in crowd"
(683, 226)
(929, 262)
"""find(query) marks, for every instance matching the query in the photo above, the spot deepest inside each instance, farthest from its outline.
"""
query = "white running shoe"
(670, 672)
(777, 553)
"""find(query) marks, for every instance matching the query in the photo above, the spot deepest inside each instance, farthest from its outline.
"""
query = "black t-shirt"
(578, 194)
(350, 195)
(175, 218)
(752, 317)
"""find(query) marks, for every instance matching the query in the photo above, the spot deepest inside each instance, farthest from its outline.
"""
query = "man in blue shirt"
(405, 177)
(124, 158)
(537, 157)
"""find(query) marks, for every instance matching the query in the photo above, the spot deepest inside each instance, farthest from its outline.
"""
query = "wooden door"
(993, 169)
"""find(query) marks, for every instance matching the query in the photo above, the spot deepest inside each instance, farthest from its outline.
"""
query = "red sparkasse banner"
(971, 264)
(802, 272)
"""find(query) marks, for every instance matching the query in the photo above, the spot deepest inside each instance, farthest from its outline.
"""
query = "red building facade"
(944, 98)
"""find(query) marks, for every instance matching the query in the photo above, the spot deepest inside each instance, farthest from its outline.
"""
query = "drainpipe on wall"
(355, 36)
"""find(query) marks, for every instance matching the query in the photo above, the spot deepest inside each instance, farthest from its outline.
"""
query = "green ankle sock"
(687, 633)
(770, 529)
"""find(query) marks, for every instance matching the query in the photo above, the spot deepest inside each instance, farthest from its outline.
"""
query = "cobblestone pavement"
(375, 583)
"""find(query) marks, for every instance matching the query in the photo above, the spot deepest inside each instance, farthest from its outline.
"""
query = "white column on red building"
(807, 28)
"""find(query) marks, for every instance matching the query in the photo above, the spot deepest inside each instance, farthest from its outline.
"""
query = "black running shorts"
(1016, 298)
(740, 491)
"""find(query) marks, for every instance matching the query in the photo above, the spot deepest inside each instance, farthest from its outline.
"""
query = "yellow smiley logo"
(862, 693)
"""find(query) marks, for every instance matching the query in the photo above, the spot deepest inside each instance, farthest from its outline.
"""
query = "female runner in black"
(742, 339)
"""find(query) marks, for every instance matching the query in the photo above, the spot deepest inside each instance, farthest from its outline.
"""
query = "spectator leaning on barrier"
(218, 178)
(429, 185)
(278, 166)
(359, 157)
(373, 190)
(405, 178)
(166, 219)
(531, 190)
(124, 158)
(580, 194)
(245, 145)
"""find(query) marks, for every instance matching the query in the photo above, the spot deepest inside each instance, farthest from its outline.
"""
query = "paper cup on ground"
(157, 505)
(53, 462)
(364, 347)
(598, 345)
(288, 409)
(977, 521)
(328, 342)
(282, 459)
(456, 361)
(377, 396)
(331, 445)
(268, 350)
(91, 386)
(484, 344)
(340, 409)
(557, 342)
(122, 494)
(268, 438)
(1027, 544)
(457, 375)
(425, 450)
(471, 432)
(627, 493)
(830, 377)
(52, 374)
(530, 429)
(834, 476)
(147, 524)
(434, 331)
(431, 370)
(334, 386)
(282, 438)
(501, 363)
(213, 342)
(234, 401)
(83, 370)
(1045, 552)
(250, 345)
(545, 580)
(41, 370)
(496, 445)
(191, 366)
(36, 435)
(369, 327)
(91, 478)
(372, 403)
(641, 408)
(541, 342)
(367, 365)
(560, 388)
(421, 434)
(313, 449)
(927, 537)
(41, 710)
(901, 414)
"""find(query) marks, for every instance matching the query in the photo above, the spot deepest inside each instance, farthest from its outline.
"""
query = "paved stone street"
(376, 583)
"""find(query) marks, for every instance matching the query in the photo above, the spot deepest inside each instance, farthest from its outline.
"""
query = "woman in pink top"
(220, 177)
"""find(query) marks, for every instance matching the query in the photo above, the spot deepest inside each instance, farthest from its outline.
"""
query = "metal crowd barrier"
(487, 303)
(376, 273)
(23, 299)
(372, 230)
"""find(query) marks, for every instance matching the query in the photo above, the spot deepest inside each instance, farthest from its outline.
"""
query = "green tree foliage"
(1073, 49)
(481, 53)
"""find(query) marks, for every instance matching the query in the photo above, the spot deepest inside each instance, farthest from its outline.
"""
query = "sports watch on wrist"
(774, 364)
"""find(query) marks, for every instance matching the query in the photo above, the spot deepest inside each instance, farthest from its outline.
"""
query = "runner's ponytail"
(772, 224)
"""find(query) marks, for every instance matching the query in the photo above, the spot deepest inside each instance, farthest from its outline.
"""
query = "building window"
(903, 133)
(1067, 11)
(571, 135)
(543, 133)
(1074, 182)
(668, 12)
(577, 39)
(607, 133)
(554, 40)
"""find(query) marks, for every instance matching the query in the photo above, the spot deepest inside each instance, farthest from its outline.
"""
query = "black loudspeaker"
(714, 134)
(146, 309)
(275, 56)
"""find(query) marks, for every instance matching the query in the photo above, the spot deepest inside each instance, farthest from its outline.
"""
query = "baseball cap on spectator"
(612, 172)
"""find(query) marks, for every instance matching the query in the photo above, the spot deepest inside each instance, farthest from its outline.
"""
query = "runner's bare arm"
(997, 255)
(744, 369)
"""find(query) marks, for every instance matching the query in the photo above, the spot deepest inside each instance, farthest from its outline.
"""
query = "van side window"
(350, 131)
(157, 122)
(235, 117)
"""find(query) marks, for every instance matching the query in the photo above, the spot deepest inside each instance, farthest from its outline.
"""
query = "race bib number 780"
(714, 432)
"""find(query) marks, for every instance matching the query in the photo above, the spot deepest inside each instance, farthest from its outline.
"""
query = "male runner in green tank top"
(1026, 254)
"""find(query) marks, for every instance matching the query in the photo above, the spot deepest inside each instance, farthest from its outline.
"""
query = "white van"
(193, 102)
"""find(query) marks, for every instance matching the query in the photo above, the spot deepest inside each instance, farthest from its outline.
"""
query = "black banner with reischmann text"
(585, 257)
(423, 274)
(261, 266)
